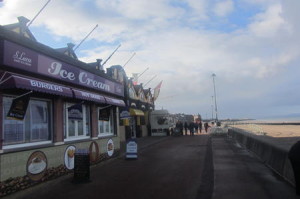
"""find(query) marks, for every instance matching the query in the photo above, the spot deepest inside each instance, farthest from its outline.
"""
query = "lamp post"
(216, 109)
(212, 107)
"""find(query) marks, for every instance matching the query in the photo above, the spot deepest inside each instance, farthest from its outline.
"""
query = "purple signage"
(25, 59)
(19, 57)
(12, 81)
(88, 96)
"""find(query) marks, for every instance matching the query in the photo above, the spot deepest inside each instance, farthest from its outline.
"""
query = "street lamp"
(212, 107)
(216, 109)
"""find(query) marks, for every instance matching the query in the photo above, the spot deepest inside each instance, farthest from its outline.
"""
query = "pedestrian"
(180, 127)
(200, 126)
(196, 127)
(206, 126)
(185, 127)
(177, 124)
(191, 127)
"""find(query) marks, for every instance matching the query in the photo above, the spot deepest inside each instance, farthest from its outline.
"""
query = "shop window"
(106, 122)
(34, 128)
(77, 121)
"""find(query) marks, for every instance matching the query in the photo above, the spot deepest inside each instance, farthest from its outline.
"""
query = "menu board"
(131, 149)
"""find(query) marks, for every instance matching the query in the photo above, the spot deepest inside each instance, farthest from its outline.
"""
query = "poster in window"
(75, 112)
(18, 108)
(104, 114)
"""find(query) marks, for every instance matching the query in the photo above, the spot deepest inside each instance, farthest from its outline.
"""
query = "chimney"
(70, 46)
(99, 65)
(23, 21)
(23, 24)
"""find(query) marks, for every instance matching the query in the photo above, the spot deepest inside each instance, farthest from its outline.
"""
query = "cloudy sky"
(252, 46)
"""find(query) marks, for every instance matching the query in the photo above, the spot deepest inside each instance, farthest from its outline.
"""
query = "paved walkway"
(239, 174)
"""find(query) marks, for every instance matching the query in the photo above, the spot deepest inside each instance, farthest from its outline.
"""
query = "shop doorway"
(132, 124)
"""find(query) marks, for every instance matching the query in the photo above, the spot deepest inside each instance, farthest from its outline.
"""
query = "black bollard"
(294, 156)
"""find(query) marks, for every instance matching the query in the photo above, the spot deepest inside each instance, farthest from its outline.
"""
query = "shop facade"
(52, 105)
(134, 118)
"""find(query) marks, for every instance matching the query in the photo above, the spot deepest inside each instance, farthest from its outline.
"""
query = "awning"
(9, 80)
(88, 96)
(114, 101)
(136, 112)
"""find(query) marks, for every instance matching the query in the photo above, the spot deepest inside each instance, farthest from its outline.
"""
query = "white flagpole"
(38, 13)
(85, 38)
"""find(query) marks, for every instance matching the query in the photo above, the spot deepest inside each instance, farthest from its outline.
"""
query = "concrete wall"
(14, 164)
(272, 155)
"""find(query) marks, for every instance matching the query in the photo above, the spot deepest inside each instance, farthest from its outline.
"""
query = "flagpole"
(24, 94)
(129, 60)
(111, 55)
(150, 80)
(85, 37)
(143, 72)
(38, 13)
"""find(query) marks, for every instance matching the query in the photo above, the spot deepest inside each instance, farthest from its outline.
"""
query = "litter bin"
(81, 166)
(294, 156)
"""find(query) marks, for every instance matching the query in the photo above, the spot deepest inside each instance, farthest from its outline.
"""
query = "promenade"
(219, 169)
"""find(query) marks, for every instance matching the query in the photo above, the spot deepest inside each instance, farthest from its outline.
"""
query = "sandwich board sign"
(131, 149)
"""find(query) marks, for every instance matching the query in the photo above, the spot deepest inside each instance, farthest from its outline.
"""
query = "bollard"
(294, 156)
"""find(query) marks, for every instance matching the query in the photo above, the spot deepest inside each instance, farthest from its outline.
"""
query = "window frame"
(112, 123)
(28, 123)
(86, 122)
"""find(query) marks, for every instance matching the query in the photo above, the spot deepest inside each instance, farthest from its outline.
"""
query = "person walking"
(206, 126)
(200, 126)
(196, 127)
(181, 127)
(191, 127)
(185, 127)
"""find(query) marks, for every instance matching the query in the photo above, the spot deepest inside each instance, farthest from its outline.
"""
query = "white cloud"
(223, 8)
(171, 40)
(268, 24)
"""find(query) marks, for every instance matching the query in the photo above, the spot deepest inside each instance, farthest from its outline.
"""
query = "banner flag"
(18, 107)
(75, 112)
(135, 78)
(157, 90)
(104, 114)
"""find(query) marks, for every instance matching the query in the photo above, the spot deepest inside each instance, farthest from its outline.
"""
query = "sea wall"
(272, 154)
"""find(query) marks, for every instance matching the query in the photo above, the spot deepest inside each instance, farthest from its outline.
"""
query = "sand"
(271, 130)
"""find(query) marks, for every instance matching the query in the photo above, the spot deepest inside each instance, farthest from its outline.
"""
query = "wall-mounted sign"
(124, 113)
(36, 165)
(25, 59)
(94, 152)
(69, 157)
(110, 147)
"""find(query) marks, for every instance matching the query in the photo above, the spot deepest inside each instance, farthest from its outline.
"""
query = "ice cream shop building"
(51, 105)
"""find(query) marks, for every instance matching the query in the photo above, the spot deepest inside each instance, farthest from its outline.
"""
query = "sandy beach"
(271, 130)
